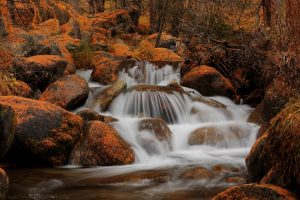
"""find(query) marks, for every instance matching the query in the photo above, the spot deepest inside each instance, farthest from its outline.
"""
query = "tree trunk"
(293, 24)
(153, 11)
(162, 22)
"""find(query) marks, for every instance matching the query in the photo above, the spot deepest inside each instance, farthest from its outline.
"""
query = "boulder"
(91, 115)
(197, 173)
(45, 133)
(107, 73)
(8, 123)
(147, 52)
(159, 128)
(69, 92)
(11, 86)
(39, 71)
(102, 146)
(107, 95)
(208, 81)
(283, 143)
(277, 95)
(255, 192)
(217, 135)
(258, 160)
(4, 183)
(118, 21)
(159, 131)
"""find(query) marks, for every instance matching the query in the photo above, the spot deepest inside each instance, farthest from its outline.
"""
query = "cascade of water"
(207, 131)
(149, 74)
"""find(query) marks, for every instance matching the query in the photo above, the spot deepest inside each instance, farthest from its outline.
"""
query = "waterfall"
(203, 130)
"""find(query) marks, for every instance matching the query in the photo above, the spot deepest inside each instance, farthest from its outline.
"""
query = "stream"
(182, 168)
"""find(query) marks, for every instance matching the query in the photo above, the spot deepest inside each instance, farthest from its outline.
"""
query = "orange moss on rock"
(255, 192)
(208, 81)
(4, 183)
(102, 146)
(68, 92)
(45, 133)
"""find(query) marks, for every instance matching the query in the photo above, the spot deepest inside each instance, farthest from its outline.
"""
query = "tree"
(96, 6)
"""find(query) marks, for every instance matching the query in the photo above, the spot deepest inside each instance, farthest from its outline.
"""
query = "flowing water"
(160, 169)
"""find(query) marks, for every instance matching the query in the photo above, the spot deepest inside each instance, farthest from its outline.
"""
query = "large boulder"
(258, 160)
(102, 146)
(4, 183)
(279, 149)
(39, 71)
(68, 92)
(208, 81)
(255, 192)
(45, 133)
(107, 73)
(8, 124)
(107, 95)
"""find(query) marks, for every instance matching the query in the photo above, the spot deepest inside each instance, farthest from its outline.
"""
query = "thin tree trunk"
(162, 22)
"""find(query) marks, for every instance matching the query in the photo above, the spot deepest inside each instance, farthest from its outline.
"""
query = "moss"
(83, 55)
(284, 139)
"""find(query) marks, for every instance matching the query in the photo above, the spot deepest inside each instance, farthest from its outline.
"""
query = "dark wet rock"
(4, 183)
(8, 123)
(101, 145)
(39, 71)
(91, 115)
(69, 92)
(277, 95)
(45, 133)
(107, 95)
(208, 81)
(255, 192)
(258, 160)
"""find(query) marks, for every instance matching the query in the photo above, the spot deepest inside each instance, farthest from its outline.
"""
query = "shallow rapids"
(212, 133)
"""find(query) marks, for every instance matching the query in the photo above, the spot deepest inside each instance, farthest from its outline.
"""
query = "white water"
(184, 116)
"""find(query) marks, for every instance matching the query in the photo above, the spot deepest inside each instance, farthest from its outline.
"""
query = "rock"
(117, 21)
(282, 145)
(255, 192)
(217, 135)
(90, 115)
(39, 71)
(198, 173)
(11, 86)
(107, 73)
(208, 81)
(262, 130)
(45, 133)
(166, 41)
(258, 160)
(254, 98)
(158, 126)
(107, 95)
(4, 183)
(277, 95)
(147, 52)
(102, 146)
(69, 92)
(159, 131)
(8, 123)
(235, 180)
